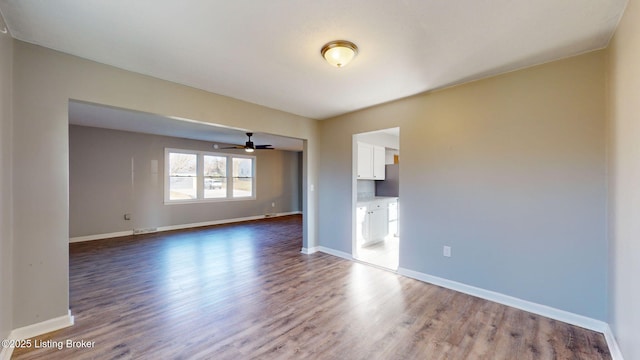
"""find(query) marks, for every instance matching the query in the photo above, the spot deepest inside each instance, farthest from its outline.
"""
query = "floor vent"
(144, 231)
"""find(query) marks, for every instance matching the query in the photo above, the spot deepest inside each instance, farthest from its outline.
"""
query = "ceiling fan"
(249, 146)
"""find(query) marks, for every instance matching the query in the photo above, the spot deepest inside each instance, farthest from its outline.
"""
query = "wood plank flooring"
(244, 291)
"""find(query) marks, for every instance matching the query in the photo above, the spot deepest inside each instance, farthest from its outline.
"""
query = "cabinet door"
(362, 224)
(365, 161)
(393, 218)
(378, 224)
(378, 163)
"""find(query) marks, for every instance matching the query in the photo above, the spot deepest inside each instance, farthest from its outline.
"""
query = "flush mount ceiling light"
(339, 53)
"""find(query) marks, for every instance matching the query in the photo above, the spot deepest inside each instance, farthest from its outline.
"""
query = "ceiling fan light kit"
(339, 53)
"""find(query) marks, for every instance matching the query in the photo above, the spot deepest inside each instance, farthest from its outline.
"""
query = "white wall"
(101, 189)
(6, 271)
(509, 171)
(624, 182)
(45, 81)
(381, 139)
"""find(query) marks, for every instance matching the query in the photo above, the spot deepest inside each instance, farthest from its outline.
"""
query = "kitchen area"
(376, 183)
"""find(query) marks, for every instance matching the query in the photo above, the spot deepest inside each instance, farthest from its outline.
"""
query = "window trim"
(200, 177)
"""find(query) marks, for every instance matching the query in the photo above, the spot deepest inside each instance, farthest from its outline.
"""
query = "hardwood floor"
(245, 291)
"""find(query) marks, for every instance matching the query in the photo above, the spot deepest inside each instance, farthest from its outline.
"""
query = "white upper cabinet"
(365, 161)
(378, 163)
(371, 160)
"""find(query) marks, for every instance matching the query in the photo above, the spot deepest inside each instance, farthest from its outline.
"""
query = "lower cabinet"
(372, 222)
(378, 224)
(393, 218)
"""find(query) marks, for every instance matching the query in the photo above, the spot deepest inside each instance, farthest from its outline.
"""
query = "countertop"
(369, 200)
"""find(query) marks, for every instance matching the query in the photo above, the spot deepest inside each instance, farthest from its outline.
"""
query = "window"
(242, 177)
(215, 176)
(196, 176)
(182, 176)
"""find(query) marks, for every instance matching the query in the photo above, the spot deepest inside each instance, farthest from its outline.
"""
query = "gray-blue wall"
(101, 190)
(624, 182)
(6, 233)
(509, 171)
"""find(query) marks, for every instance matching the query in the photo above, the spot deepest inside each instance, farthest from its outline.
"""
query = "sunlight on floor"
(384, 253)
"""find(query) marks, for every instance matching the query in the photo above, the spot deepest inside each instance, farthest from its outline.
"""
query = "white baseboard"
(543, 310)
(337, 253)
(347, 256)
(221, 222)
(5, 353)
(100, 236)
(309, 251)
(40, 328)
(180, 226)
(614, 349)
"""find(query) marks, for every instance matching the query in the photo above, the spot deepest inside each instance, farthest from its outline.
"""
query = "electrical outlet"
(446, 251)
(273, 204)
(127, 216)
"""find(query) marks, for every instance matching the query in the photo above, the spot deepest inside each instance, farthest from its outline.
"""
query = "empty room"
(319, 180)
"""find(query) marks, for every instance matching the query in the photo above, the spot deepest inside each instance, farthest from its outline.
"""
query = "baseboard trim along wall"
(37, 329)
(309, 251)
(543, 310)
(315, 249)
(340, 254)
(100, 236)
(177, 227)
(5, 353)
(614, 349)
(547, 311)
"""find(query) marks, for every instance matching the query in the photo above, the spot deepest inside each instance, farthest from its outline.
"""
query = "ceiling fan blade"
(250, 145)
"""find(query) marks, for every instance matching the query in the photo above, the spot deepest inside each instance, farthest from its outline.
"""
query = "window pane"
(242, 177)
(215, 177)
(182, 176)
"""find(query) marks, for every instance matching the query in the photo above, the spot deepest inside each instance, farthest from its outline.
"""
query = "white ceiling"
(268, 52)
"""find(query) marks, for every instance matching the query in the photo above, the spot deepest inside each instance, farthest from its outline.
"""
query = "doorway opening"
(128, 196)
(376, 180)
